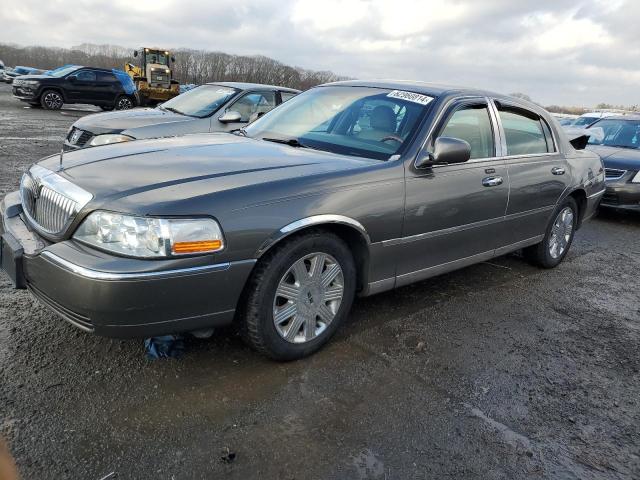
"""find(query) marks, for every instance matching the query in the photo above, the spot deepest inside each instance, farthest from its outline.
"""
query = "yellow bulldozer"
(153, 76)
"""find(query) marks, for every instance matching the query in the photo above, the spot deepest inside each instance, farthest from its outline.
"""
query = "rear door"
(538, 171)
(454, 213)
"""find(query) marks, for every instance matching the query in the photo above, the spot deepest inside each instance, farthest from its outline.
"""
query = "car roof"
(416, 86)
(632, 116)
(252, 86)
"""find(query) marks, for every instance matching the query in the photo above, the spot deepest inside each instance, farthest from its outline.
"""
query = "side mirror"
(135, 53)
(230, 116)
(72, 78)
(173, 59)
(446, 150)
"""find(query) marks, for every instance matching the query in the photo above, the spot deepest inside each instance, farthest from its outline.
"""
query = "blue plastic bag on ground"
(166, 346)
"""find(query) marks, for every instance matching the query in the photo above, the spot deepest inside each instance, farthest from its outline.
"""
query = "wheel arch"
(349, 230)
(580, 197)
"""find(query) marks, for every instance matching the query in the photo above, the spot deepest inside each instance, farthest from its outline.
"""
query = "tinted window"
(254, 103)
(472, 124)
(106, 77)
(287, 96)
(86, 76)
(524, 132)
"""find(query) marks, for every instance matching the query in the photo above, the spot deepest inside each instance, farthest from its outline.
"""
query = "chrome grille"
(50, 210)
(613, 173)
(79, 137)
(50, 202)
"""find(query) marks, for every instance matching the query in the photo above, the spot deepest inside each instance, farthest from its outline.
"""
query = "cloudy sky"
(571, 52)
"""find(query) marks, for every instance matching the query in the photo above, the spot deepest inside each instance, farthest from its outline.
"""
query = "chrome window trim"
(128, 276)
(556, 145)
(601, 192)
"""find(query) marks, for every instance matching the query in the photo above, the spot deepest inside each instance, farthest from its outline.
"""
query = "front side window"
(362, 121)
(86, 76)
(524, 132)
(257, 103)
(615, 133)
(201, 101)
(473, 125)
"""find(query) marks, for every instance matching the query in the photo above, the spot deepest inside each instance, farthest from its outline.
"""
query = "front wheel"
(124, 103)
(51, 100)
(298, 296)
(558, 237)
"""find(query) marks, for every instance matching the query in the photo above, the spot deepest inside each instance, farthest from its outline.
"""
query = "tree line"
(191, 66)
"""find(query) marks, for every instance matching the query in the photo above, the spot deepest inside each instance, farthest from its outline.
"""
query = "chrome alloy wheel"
(308, 297)
(124, 104)
(561, 232)
(53, 100)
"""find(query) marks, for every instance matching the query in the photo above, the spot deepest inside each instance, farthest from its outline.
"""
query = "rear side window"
(472, 124)
(525, 132)
(86, 76)
(287, 96)
(106, 77)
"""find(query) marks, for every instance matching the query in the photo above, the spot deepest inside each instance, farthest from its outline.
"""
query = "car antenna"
(61, 154)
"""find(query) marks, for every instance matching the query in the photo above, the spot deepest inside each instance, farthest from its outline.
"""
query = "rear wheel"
(298, 296)
(123, 102)
(558, 238)
(51, 100)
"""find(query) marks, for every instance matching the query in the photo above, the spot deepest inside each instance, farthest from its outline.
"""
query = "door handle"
(492, 181)
(558, 170)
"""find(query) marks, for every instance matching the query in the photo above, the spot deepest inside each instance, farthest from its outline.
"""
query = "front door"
(454, 213)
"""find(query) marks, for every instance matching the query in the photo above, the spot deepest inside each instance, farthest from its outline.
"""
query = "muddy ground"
(496, 371)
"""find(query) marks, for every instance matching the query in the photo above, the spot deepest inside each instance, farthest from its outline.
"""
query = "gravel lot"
(497, 371)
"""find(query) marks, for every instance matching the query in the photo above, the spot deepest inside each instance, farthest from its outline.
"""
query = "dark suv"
(107, 89)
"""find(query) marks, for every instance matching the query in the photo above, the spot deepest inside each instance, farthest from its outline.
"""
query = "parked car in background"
(214, 107)
(583, 121)
(104, 88)
(348, 188)
(9, 75)
(617, 141)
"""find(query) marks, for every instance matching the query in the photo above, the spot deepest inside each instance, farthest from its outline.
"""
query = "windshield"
(201, 101)
(584, 121)
(157, 57)
(62, 71)
(615, 133)
(362, 121)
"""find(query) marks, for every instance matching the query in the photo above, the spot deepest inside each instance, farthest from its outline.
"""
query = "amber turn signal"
(197, 247)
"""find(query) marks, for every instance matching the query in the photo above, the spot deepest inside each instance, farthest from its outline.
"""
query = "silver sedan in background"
(213, 107)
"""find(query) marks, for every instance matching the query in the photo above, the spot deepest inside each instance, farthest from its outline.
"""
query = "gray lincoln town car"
(350, 188)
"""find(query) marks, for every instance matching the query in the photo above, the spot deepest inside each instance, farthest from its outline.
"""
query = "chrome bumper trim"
(110, 276)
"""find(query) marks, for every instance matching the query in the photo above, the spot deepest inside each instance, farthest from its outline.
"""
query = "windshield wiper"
(292, 142)
(175, 111)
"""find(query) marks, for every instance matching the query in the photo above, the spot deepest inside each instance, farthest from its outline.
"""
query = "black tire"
(51, 100)
(540, 254)
(124, 102)
(257, 304)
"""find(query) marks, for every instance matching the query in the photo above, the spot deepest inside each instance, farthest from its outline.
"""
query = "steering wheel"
(395, 138)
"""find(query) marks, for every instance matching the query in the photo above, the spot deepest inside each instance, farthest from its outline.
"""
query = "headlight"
(30, 82)
(636, 179)
(108, 138)
(150, 237)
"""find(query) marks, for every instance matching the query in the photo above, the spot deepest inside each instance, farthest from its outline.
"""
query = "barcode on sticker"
(410, 97)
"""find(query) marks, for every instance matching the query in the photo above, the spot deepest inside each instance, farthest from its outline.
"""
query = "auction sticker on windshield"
(410, 97)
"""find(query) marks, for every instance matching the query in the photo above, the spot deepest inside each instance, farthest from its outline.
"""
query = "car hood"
(28, 76)
(122, 120)
(616, 157)
(130, 175)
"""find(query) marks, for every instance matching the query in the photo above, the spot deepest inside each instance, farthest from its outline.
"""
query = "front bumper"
(622, 194)
(114, 296)
(24, 93)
